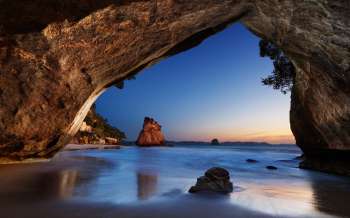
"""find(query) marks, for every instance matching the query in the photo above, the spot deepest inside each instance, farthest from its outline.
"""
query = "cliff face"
(57, 56)
(151, 134)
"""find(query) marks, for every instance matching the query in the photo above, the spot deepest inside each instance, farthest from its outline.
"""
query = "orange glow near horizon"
(283, 137)
(273, 137)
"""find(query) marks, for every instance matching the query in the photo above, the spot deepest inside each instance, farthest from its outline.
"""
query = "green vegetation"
(283, 75)
(101, 127)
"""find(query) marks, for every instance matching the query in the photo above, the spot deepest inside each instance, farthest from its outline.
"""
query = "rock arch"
(56, 57)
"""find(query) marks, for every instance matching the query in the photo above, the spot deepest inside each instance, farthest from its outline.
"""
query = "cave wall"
(56, 57)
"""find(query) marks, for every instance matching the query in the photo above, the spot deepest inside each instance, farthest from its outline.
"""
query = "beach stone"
(251, 161)
(215, 179)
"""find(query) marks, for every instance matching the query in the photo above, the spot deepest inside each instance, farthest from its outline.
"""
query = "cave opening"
(212, 91)
(57, 57)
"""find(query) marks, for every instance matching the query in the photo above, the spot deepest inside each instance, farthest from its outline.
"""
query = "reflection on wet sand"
(67, 182)
(146, 185)
(112, 184)
(277, 199)
(314, 197)
(56, 180)
(40, 186)
(329, 198)
(54, 185)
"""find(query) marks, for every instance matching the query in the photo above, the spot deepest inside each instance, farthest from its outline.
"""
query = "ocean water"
(153, 182)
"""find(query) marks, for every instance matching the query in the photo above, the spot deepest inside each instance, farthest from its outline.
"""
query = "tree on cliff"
(283, 75)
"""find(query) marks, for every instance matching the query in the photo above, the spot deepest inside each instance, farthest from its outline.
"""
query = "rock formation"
(151, 133)
(215, 142)
(215, 179)
(86, 128)
(271, 167)
(57, 57)
(251, 161)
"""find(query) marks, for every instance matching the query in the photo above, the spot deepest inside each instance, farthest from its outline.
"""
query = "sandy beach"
(73, 147)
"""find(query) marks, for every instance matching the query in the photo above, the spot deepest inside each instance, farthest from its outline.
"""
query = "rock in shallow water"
(251, 161)
(215, 179)
(271, 168)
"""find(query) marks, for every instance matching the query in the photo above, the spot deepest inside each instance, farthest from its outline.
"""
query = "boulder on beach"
(151, 134)
(215, 179)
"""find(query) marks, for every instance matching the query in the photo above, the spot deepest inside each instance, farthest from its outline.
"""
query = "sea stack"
(215, 142)
(151, 134)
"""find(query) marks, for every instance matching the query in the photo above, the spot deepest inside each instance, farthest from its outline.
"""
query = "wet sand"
(73, 147)
(153, 182)
(180, 206)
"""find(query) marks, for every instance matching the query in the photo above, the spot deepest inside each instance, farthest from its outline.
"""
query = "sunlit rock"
(151, 134)
(85, 128)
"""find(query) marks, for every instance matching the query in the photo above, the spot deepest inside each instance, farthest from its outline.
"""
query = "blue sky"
(211, 91)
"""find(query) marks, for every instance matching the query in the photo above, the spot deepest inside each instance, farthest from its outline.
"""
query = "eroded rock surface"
(215, 179)
(151, 133)
(56, 57)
